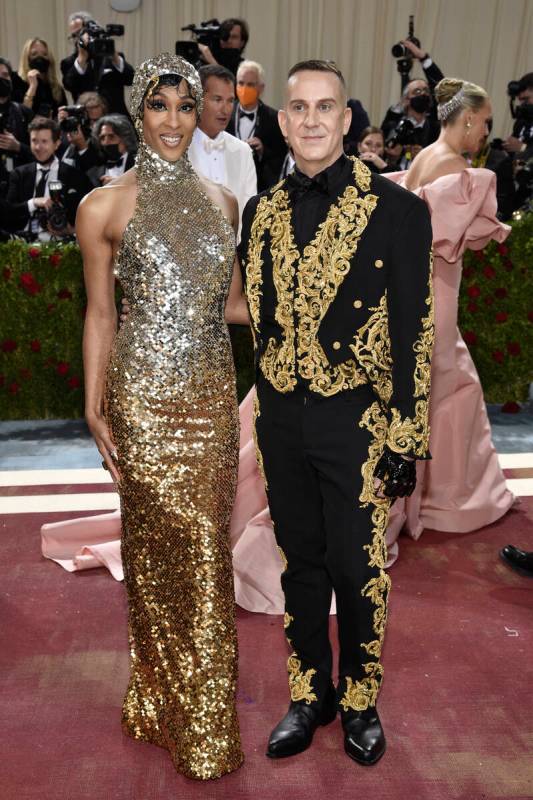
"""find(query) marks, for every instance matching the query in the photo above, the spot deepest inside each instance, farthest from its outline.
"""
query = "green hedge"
(42, 304)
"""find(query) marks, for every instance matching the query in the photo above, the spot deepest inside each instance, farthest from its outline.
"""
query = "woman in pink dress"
(462, 488)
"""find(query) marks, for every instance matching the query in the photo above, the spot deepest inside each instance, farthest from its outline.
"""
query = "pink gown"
(460, 490)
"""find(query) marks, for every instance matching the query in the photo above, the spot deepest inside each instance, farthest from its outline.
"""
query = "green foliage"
(496, 313)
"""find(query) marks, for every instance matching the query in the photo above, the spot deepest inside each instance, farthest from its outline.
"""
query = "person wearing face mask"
(44, 94)
(115, 136)
(255, 123)
(14, 121)
(371, 149)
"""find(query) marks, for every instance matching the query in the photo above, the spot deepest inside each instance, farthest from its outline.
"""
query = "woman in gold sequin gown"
(161, 404)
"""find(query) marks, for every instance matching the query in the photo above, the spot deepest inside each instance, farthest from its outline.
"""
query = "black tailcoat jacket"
(355, 307)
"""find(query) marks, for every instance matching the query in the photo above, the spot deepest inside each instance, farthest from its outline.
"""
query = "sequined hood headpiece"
(149, 73)
(444, 110)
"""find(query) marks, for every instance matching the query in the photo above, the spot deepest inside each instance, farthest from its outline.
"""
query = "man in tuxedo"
(81, 73)
(30, 183)
(337, 271)
(257, 124)
(117, 142)
(213, 152)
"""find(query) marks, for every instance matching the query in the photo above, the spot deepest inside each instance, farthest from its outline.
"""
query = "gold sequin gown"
(171, 406)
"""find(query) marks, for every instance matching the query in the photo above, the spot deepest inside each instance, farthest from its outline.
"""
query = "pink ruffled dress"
(461, 489)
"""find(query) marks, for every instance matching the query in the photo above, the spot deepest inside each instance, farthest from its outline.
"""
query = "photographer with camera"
(519, 145)
(14, 121)
(51, 189)
(116, 141)
(96, 66)
(217, 43)
(75, 126)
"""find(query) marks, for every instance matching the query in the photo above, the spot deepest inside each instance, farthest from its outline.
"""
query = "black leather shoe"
(295, 732)
(520, 560)
(364, 740)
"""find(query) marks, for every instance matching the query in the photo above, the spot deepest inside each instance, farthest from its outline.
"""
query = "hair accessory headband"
(445, 110)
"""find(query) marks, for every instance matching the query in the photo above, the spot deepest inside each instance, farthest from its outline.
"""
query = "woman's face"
(38, 49)
(169, 120)
(373, 143)
(480, 122)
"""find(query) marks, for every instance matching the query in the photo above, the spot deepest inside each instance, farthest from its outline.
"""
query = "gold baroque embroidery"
(287, 619)
(412, 435)
(258, 454)
(283, 558)
(300, 682)
(372, 350)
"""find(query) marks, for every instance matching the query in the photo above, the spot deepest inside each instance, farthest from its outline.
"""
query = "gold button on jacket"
(358, 304)
(336, 345)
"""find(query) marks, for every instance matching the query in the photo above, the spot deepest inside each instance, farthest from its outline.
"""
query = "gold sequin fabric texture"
(172, 409)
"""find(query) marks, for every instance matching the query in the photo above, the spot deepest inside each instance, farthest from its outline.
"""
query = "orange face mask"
(247, 95)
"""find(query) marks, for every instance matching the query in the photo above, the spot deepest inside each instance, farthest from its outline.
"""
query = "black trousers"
(330, 528)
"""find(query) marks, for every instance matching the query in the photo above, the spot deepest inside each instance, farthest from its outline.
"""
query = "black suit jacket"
(268, 166)
(95, 173)
(360, 304)
(22, 184)
(110, 84)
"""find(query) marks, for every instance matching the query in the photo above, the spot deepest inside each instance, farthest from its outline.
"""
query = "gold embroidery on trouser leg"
(258, 454)
(300, 682)
(362, 694)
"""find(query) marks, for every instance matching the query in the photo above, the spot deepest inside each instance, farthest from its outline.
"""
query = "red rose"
(62, 368)
(35, 346)
(510, 407)
(25, 373)
(8, 345)
(489, 300)
(34, 252)
(473, 291)
(472, 307)
(501, 316)
(501, 292)
(470, 337)
(489, 272)
(13, 387)
(6, 272)
(29, 284)
(64, 294)
(468, 272)
(503, 249)
(55, 259)
(50, 307)
(74, 382)
(498, 356)
(513, 348)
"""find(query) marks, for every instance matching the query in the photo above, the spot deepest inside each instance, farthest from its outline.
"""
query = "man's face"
(526, 97)
(235, 40)
(315, 119)
(75, 28)
(94, 112)
(219, 96)
(43, 146)
(248, 80)
(108, 136)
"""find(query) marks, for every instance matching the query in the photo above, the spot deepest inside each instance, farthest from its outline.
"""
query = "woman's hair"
(367, 131)
(453, 95)
(51, 75)
(93, 99)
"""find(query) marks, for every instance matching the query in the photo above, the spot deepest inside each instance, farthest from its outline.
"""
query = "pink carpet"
(457, 701)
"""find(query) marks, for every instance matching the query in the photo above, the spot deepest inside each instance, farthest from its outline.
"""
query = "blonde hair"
(51, 75)
(453, 95)
(255, 66)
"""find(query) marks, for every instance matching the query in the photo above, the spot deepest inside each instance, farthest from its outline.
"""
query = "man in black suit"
(115, 138)
(30, 183)
(83, 74)
(337, 272)
(257, 124)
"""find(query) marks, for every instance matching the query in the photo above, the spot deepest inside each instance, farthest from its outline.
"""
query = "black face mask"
(41, 63)
(420, 103)
(5, 87)
(112, 153)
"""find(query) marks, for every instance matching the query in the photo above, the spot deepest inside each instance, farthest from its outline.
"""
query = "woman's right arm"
(101, 317)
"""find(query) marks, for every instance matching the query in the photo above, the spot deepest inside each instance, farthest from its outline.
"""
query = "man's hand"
(256, 144)
(62, 113)
(42, 202)
(9, 142)
(125, 310)
(206, 54)
(83, 55)
(416, 51)
(396, 473)
(513, 145)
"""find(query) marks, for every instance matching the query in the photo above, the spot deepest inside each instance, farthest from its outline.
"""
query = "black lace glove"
(398, 474)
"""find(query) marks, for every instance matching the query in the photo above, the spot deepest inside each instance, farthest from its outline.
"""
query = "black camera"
(56, 215)
(100, 43)
(399, 50)
(77, 117)
(210, 33)
(404, 133)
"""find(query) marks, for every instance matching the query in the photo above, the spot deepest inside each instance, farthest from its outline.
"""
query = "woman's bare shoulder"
(105, 200)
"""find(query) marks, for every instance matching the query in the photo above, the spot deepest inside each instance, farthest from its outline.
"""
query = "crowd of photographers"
(53, 153)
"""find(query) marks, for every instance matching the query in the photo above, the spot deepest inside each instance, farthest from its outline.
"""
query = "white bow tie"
(213, 144)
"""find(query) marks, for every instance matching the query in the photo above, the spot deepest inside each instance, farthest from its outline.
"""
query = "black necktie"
(41, 186)
(299, 184)
(248, 114)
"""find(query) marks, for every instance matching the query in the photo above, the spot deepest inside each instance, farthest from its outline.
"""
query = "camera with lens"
(77, 118)
(404, 133)
(403, 56)
(100, 43)
(210, 33)
(56, 215)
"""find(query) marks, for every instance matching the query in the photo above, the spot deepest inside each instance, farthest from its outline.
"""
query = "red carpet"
(456, 703)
